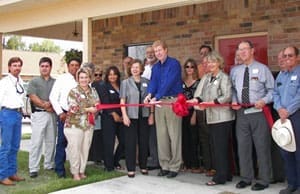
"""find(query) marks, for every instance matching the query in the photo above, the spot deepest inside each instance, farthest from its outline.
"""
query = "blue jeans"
(60, 154)
(10, 122)
(292, 159)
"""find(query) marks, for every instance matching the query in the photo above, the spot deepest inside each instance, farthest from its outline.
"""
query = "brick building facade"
(186, 28)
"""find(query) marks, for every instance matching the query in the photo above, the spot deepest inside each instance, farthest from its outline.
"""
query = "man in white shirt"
(150, 61)
(153, 162)
(11, 103)
(58, 98)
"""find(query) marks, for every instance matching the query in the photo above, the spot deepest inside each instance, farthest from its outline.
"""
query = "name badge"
(216, 82)
(144, 84)
(112, 91)
(82, 96)
(294, 77)
(255, 71)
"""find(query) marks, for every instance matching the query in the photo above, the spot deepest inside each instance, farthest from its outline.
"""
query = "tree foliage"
(73, 53)
(15, 43)
(45, 46)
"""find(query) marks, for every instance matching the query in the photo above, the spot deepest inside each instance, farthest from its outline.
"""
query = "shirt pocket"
(292, 90)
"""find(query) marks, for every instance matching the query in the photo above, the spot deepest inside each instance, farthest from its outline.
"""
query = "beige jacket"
(218, 88)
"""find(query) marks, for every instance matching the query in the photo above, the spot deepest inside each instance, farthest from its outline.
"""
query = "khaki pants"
(79, 142)
(168, 126)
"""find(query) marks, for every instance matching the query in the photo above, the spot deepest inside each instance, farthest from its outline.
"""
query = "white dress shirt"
(60, 91)
(9, 97)
(147, 71)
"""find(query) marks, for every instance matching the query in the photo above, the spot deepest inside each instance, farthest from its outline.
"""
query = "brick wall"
(186, 28)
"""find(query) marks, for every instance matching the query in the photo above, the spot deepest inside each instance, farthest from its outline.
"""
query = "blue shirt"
(165, 79)
(261, 82)
(287, 90)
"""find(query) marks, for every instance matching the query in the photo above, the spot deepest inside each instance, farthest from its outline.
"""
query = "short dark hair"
(246, 41)
(45, 60)
(74, 59)
(205, 46)
(135, 61)
(14, 60)
(116, 71)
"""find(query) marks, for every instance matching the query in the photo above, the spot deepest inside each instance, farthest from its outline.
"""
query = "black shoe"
(258, 187)
(153, 167)
(242, 184)
(277, 181)
(163, 173)
(172, 174)
(33, 174)
(131, 175)
(288, 190)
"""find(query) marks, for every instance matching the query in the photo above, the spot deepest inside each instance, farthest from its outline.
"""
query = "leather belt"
(39, 110)
(168, 97)
(13, 109)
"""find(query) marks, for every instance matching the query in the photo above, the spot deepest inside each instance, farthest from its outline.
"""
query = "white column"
(87, 40)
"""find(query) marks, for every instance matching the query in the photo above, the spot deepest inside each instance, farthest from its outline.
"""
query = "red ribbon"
(180, 107)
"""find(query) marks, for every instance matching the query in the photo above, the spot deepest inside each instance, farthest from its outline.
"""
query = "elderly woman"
(133, 91)
(215, 89)
(79, 122)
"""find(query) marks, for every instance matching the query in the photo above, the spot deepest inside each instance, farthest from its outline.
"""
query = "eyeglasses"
(19, 88)
(189, 67)
(288, 55)
(98, 74)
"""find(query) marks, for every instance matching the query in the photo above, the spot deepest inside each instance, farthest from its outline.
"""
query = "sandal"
(210, 173)
(144, 171)
(213, 183)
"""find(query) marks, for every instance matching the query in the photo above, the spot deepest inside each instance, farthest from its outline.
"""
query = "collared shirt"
(41, 87)
(78, 100)
(165, 79)
(287, 90)
(9, 97)
(261, 82)
(60, 91)
(147, 71)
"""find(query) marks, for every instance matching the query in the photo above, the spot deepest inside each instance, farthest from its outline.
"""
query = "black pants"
(220, 139)
(111, 129)
(206, 150)
(96, 149)
(136, 134)
(190, 140)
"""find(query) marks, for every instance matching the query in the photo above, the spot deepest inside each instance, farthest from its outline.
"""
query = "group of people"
(146, 128)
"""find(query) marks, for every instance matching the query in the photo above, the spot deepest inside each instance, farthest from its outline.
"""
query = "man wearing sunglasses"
(11, 103)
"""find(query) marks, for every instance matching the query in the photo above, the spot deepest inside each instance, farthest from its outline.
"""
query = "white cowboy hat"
(283, 135)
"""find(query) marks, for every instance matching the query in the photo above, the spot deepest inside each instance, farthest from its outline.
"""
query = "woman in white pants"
(79, 123)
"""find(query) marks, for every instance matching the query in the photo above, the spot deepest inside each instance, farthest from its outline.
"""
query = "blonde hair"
(161, 43)
(85, 70)
(214, 56)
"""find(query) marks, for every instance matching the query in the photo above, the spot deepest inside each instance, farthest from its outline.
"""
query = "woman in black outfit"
(189, 128)
(111, 119)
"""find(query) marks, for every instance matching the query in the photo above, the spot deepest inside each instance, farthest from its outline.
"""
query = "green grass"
(47, 181)
(26, 136)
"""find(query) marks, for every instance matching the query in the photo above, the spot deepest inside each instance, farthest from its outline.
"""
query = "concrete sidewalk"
(186, 183)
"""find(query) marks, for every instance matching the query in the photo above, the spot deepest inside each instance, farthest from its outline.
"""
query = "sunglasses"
(189, 67)
(98, 74)
(288, 55)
